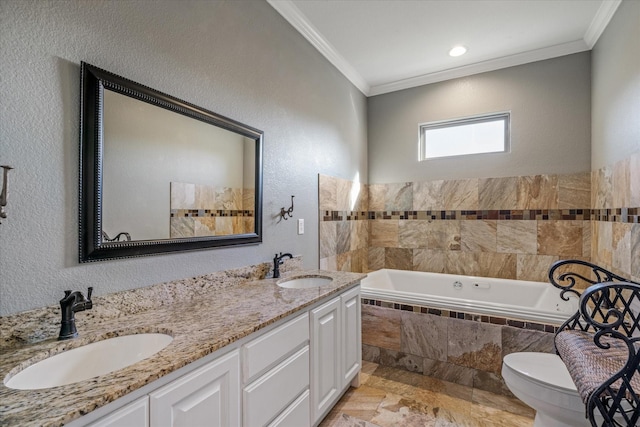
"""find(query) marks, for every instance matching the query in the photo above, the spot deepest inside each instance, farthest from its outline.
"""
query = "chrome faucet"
(72, 302)
(277, 261)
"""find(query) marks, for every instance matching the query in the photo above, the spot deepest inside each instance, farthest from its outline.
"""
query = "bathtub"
(514, 299)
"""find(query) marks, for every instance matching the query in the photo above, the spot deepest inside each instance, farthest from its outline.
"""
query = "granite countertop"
(204, 318)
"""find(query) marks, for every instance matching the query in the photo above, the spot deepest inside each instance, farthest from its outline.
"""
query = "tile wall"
(615, 226)
(512, 227)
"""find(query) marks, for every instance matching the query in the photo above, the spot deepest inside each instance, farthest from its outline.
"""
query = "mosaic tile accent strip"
(624, 215)
(508, 214)
(534, 326)
(205, 213)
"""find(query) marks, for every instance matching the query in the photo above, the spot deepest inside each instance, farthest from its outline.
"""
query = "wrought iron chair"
(600, 343)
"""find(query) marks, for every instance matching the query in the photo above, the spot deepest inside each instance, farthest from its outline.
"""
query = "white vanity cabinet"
(336, 350)
(275, 370)
(287, 375)
(208, 396)
(135, 414)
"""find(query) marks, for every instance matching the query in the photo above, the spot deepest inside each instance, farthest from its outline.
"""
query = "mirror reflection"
(167, 176)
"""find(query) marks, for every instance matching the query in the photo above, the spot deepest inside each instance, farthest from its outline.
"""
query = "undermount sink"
(305, 282)
(88, 361)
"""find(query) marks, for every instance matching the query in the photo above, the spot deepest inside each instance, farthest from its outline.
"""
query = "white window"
(459, 137)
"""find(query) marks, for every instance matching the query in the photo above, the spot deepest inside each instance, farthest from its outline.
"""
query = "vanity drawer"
(262, 353)
(296, 415)
(265, 398)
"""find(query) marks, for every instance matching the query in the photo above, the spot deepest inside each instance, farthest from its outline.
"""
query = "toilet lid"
(543, 368)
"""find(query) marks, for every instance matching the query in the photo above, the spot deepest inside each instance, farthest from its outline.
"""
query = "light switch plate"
(300, 226)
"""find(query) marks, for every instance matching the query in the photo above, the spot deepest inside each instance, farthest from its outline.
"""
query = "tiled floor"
(392, 397)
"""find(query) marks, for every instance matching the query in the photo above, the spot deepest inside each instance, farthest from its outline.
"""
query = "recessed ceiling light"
(457, 51)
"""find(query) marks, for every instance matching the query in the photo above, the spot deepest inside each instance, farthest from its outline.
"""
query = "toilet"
(541, 380)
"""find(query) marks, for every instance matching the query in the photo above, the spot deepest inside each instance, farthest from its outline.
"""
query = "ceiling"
(386, 45)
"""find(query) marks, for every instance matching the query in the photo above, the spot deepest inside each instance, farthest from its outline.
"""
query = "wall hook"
(289, 212)
(3, 195)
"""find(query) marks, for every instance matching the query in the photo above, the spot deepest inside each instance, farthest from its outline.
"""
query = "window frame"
(504, 116)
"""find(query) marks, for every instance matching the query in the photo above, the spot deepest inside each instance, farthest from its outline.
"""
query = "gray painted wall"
(550, 114)
(239, 59)
(615, 127)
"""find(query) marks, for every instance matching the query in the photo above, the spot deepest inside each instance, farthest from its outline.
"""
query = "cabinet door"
(326, 377)
(351, 335)
(135, 414)
(209, 396)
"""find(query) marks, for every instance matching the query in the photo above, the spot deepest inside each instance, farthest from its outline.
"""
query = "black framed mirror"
(160, 175)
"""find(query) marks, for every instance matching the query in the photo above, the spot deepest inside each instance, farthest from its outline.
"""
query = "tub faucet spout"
(277, 261)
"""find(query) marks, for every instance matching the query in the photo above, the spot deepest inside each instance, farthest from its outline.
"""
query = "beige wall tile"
(497, 193)
(491, 264)
(343, 194)
(328, 189)
(586, 239)
(461, 194)
(431, 260)
(343, 236)
(621, 247)
(381, 327)
(635, 252)
(458, 262)
(444, 235)
(206, 226)
(375, 259)
(329, 263)
(621, 187)
(413, 233)
(359, 234)
(537, 192)
(574, 191)
(519, 237)
(563, 238)
(181, 227)
(224, 225)
(361, 193)
(328, 238)
(478, 236)
(399, 197)
(424, 335)
(534, 267)
(248, 199)
(603, 240)
(343, 261)
(604, 190)
(205, 197)
(183, 195)
(634, 180)
(384, 233)
(377, 194)
(398, 258)
(428, 196)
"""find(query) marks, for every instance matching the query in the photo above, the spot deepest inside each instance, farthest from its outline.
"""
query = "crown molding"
(482, 67)
(600, 21)
(299, 21)
(292, 14)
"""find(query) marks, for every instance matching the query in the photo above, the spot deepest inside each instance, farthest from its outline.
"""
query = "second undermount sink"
(88, 361)
(305, 282)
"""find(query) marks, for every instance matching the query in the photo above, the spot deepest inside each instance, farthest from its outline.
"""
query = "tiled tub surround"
(203, 314)
(458, 347)
(512, 228)
(615, 226)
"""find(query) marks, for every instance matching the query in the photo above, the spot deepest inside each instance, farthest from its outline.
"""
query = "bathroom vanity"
(254, 354)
